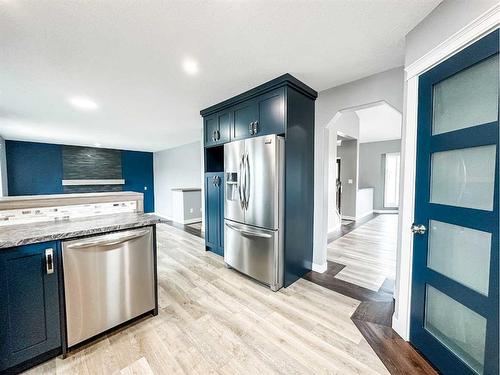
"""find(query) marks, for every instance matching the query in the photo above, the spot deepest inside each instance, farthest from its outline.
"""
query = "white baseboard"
(334, 230)
(357, 217)
(345, 217)
(320, 268)
(400, 328)
(363, 215)
(386, 211)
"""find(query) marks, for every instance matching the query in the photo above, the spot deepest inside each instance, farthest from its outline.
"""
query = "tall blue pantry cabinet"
(283, 106)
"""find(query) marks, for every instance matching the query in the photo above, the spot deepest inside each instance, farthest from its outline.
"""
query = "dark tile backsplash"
(88, 163)
(82, 163)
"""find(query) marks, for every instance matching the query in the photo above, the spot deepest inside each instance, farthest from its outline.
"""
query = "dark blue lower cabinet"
(214, 212)
(29, 309)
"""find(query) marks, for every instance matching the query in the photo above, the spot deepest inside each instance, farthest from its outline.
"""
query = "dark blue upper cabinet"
(271, 109)
(217, 128)
(29, 311)
(244, 117)
(210, 129)
(260, 116)
(224, 122)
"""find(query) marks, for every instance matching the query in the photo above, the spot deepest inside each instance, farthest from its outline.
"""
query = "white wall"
(348, 154)
(372, 168)
(387, 86)
(347, 124)
(3, 169)
(364, 202)
(445, 20)
(178, 167)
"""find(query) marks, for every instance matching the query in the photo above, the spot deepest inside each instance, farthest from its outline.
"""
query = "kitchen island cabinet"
(30, 311)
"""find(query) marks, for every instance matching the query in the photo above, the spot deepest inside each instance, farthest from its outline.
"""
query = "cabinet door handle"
(49, 261)
(218, 135)
(255, 127)
(213, 136)
(250, 128)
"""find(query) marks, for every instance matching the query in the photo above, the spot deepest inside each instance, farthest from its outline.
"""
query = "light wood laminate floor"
(368, 252)
(213, 320)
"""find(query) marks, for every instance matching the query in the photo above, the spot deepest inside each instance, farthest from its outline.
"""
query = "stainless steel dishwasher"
(108, 280)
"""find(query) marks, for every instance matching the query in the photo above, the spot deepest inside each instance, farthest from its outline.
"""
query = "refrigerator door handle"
(241, 186)
(247, 232)
(247, 182)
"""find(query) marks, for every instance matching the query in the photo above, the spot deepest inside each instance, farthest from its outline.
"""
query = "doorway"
(338, 185)
(455, 291)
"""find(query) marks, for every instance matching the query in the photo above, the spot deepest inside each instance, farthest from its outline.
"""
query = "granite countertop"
(23, 234)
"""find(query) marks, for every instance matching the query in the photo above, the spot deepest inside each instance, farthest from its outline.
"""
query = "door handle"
(240, 184)
(255, 127)
(418, 228)
(214, 136)
(49, 261)
(250, 128)
(218, 134)
(247, 232)
(247, 182)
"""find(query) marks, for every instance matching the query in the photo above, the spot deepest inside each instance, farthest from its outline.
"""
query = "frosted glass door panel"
(464, 177)
(460, 329)
(468, 98)
(460, 253)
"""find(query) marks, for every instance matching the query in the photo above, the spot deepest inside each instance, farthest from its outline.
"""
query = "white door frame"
(476, 29)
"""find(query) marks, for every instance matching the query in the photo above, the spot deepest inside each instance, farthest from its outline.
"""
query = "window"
(391, 184)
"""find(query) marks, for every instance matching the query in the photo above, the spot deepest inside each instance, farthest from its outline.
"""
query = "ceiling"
(380, 122)
(127, 56)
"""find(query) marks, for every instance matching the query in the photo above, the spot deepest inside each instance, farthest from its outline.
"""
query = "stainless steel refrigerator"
(253, 208)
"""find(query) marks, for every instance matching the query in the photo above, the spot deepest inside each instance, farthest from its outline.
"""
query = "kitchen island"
(24, 234)
(39, 280)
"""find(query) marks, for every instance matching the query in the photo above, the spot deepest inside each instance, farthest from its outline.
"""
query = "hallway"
(368, 253)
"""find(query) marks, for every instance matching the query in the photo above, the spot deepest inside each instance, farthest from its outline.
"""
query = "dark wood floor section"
(373, 317)
(186, 228)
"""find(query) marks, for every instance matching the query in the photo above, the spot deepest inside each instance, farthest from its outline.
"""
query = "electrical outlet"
(349, 181)
(191, 210)
(145, 188)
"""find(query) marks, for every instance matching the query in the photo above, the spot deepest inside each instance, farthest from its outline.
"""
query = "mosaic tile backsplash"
(33, 215)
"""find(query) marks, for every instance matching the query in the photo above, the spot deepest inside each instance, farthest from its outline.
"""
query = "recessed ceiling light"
(82, 102)
(190, 66)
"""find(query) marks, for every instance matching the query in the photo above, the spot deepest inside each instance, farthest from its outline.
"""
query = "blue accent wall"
(137, 169)
(33, 168)
(37, 168)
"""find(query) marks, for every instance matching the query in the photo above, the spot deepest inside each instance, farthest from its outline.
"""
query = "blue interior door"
(454, 313)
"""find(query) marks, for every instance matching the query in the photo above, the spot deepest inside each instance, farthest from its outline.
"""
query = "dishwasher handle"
(107, 242)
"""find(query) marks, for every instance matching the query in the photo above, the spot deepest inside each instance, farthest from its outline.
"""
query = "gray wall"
(178, 167)
(445, 20)
(348, 154)
(387, 86)
(372, 168)
(3, 169)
